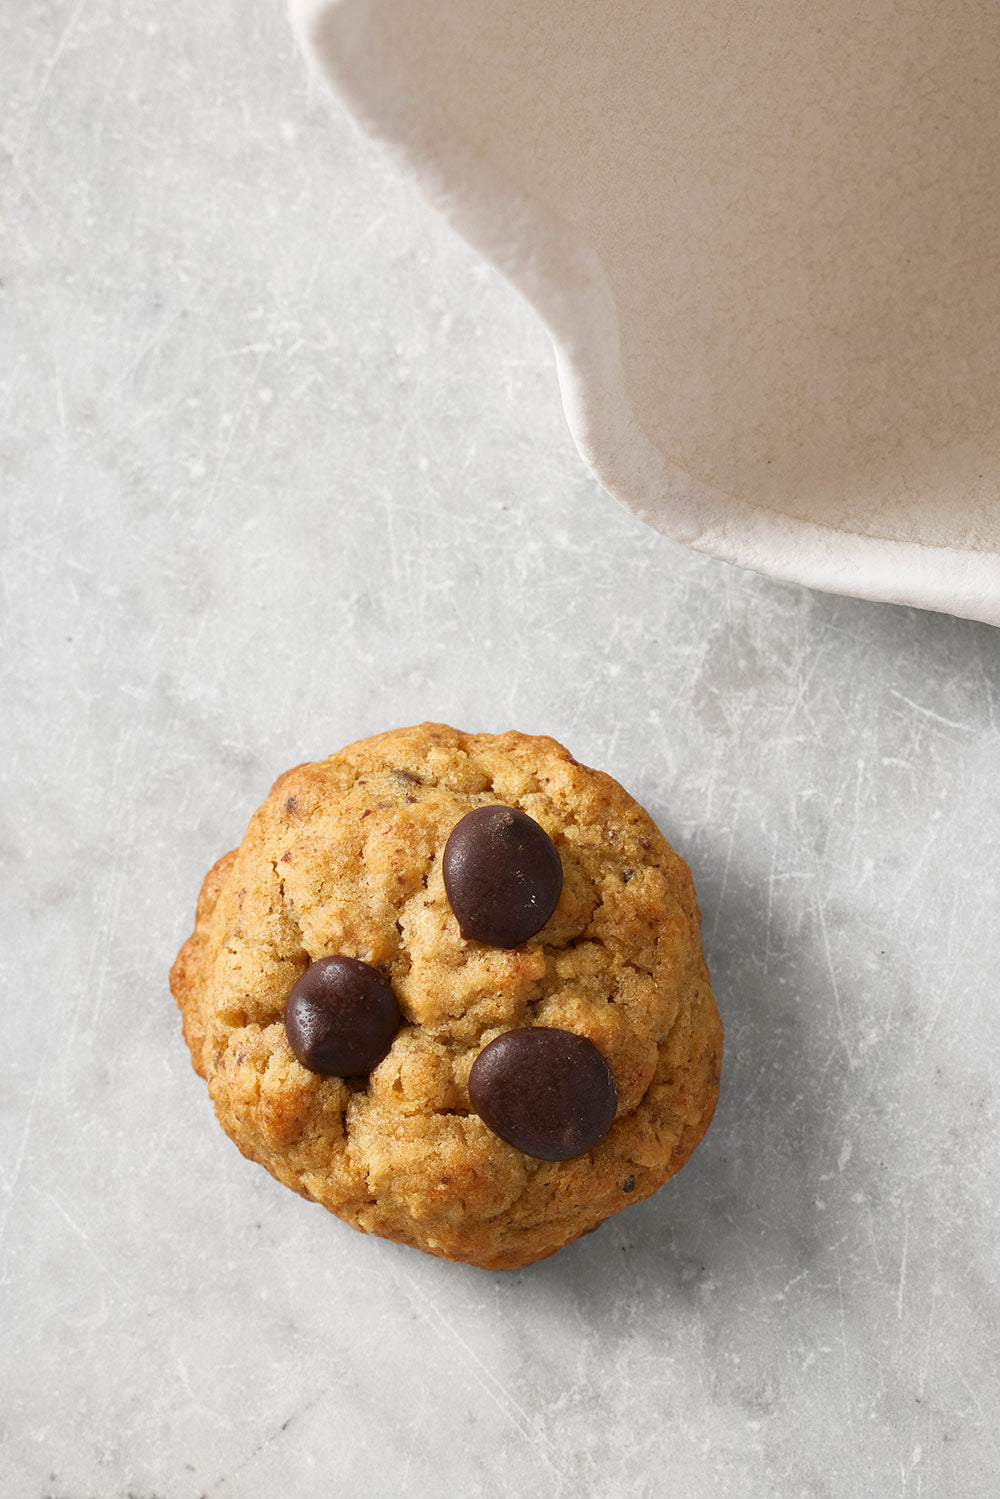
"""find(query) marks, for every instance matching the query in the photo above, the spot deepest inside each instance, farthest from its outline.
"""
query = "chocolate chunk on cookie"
(548, 1092)
(340, 1017)
(502, 875)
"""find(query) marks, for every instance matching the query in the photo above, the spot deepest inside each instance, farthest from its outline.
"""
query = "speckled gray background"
(282, 464)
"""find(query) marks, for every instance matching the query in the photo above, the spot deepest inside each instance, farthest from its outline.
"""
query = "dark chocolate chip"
(502, 874)
(547, 1092)
(340, 1017)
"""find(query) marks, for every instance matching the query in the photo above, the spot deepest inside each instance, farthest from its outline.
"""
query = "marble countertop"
(284, 463)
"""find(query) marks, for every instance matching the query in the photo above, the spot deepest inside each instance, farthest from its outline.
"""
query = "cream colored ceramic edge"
(564, 281)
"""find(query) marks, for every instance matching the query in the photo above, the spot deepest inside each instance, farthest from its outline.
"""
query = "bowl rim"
(562, 279)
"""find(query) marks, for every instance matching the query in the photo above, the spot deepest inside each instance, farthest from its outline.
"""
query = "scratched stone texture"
(283, 463)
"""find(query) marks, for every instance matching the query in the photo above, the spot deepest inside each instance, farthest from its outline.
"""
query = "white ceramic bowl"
(765, 239)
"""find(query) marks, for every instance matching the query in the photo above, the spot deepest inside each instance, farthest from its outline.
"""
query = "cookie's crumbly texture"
(345, 857)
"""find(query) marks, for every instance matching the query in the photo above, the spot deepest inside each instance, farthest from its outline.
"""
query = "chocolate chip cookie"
(451, 987)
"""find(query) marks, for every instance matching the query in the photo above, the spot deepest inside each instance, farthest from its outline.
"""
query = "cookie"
(451, 987)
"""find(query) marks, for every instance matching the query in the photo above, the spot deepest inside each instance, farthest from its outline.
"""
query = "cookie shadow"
(744, 1210)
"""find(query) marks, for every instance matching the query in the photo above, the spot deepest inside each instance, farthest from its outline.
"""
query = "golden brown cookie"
(345, 858)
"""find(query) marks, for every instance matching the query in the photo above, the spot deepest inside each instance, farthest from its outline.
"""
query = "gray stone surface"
(282, 464)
